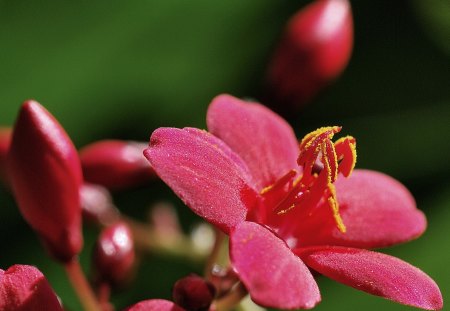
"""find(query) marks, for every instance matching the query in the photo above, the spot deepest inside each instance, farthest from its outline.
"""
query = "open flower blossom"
(45, 175)
(291, 207)
(25, 288)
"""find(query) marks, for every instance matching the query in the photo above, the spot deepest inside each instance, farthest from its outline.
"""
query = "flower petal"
(377, 210)
(273, 275)
(24, 287)
(154, 305)
(375, 273)
(263, 139)
(205, 173)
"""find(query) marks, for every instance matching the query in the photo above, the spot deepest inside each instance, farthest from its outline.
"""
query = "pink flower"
(154, 305)
(45, 175)
(25, 288)
(289, 208)
(315, 48)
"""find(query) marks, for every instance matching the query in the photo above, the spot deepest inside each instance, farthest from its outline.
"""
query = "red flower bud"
(114, 256)
(45, 174)
(193, 293)
(115, 164)
(5, 141)
(314, 50)
(25, 288)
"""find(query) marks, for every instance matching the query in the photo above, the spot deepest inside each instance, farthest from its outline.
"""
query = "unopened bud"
(115, 164)
(45, 174)
(315, 49)
(193, 293)
(5, 141)
(97, 205)
(114, 256)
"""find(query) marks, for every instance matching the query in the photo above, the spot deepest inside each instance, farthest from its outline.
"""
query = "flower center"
(321, 161)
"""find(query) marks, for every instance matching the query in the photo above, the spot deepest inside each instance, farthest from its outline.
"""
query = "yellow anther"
(306, 142)
(334, 205)
(346, 154)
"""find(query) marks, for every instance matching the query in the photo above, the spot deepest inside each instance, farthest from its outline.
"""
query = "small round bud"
(114, 256)
(193, 293)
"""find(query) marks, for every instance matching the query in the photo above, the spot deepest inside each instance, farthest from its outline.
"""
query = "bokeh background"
(120, 69)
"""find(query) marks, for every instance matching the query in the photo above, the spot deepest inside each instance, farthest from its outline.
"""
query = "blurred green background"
(120, 69)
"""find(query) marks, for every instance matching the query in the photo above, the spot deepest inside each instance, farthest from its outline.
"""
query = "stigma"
(321, 160)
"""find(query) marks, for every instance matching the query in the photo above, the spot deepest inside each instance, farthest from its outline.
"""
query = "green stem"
(81, 286)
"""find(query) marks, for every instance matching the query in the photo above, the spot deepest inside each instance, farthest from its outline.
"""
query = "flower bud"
(193, 293)
(115, 164)
(97, 205)
(45, 174)
(25, 288)
(315, 49)
(5, 141)
(114, 256)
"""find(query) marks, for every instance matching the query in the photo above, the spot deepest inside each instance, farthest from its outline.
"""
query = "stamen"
(280, 182)
(346, 154)
(310, 146)
(334, 205)
(315, 183)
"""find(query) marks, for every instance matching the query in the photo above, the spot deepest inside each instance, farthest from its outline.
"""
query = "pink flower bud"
(45, 173)
(193, 293)
(25, 288)
(97, 205)
(314, 50)
(114, 256)
(5, 141)
(115, 164)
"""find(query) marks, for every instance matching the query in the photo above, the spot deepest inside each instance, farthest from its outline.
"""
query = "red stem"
(81, 286)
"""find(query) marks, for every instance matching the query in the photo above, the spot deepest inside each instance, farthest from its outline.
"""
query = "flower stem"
(233, 298)
(215, 252)
(81, 286)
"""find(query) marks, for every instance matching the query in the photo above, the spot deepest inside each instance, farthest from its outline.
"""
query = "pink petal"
(25, 288)
(154, 305)
(377, 210)
(375, 273)
(273, 275)
(263, 139)
(208, 176)
(45, 173)
(115, 164)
